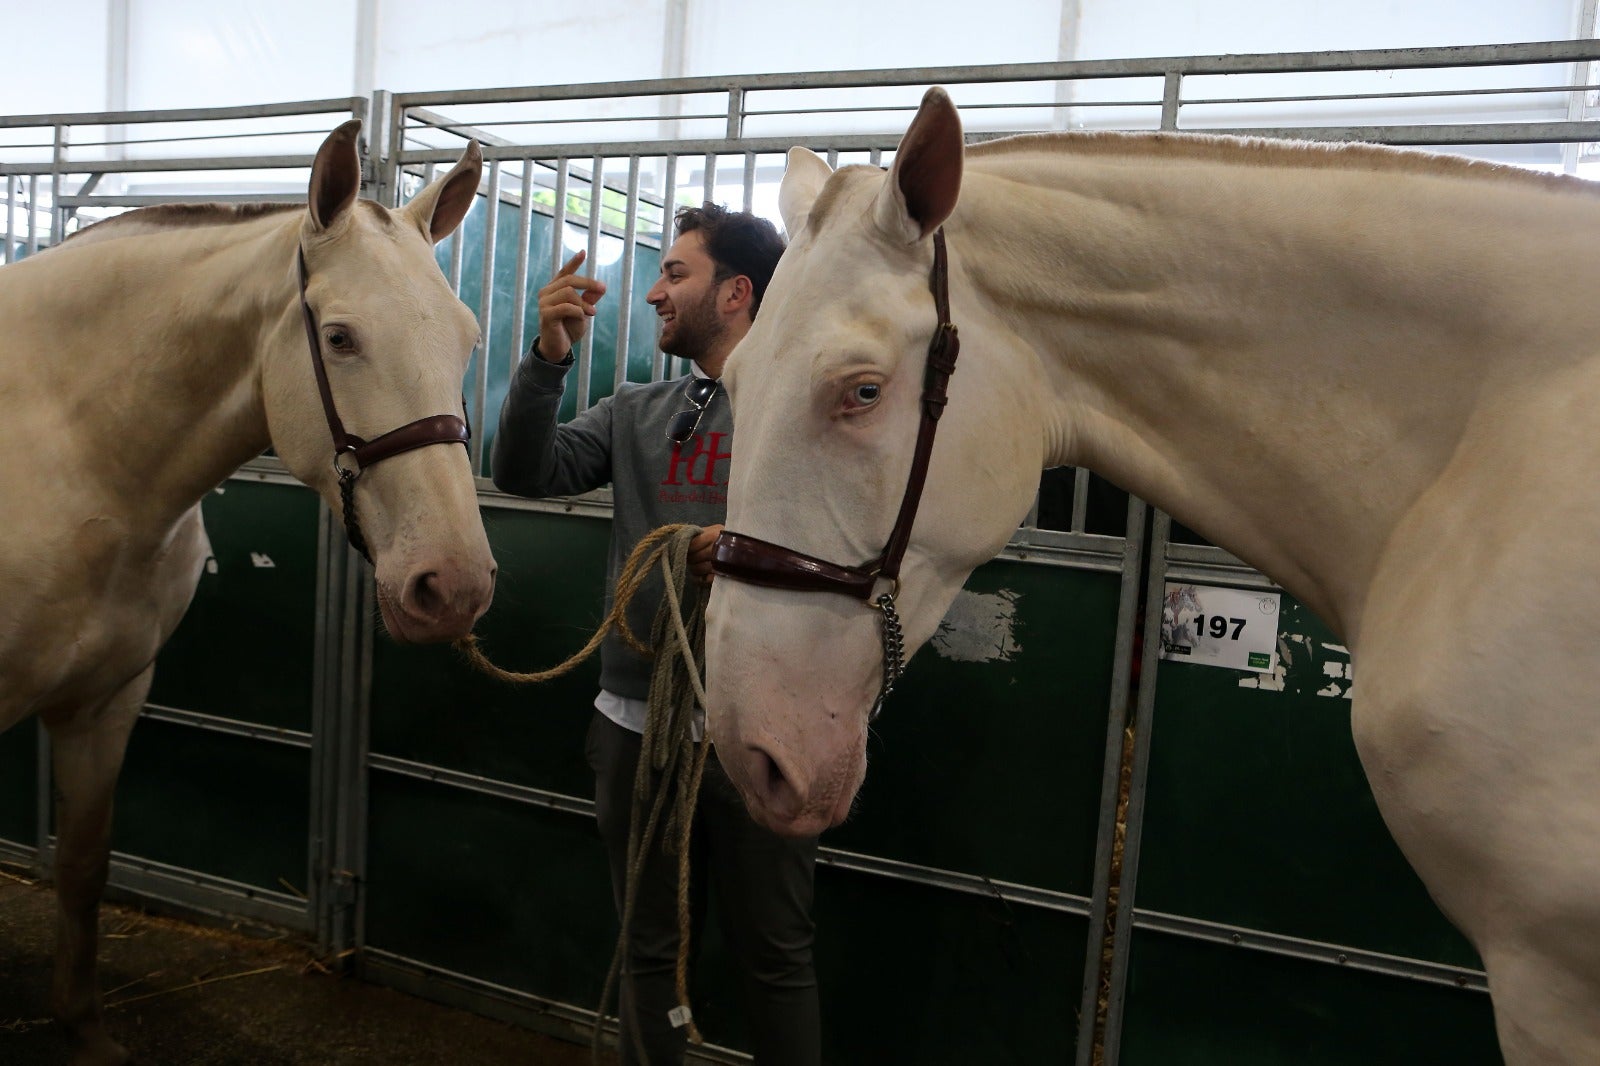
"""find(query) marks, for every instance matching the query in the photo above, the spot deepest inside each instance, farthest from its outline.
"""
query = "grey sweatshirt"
(622, 440)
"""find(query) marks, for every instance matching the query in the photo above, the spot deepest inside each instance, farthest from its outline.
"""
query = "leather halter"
(758, 562)
(435, 429)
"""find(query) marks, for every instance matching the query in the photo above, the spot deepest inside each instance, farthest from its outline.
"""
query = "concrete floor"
(182, 995)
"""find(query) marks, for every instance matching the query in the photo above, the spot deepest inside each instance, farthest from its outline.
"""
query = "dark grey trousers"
(762, 884)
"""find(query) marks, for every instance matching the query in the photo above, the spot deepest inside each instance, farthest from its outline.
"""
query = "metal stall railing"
(222, 699)
(726, 126)
(578, 193)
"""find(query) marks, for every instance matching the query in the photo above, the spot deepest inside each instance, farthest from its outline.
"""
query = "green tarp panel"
(987, 761)
(19, 784)
(1258, 815)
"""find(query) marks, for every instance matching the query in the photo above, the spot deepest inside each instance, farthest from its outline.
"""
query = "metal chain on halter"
(893, 652)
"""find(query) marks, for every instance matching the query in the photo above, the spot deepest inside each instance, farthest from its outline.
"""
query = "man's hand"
(565, 307)
(700, 553)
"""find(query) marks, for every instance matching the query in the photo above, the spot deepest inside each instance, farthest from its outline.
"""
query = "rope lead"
(671, 764)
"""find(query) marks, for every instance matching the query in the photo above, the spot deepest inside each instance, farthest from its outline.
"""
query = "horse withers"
(1371, 373)
(143, 360)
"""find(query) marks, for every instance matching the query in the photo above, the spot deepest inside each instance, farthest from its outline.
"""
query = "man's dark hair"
(738, 243)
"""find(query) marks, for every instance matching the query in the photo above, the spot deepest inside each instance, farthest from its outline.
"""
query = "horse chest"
(90, 610)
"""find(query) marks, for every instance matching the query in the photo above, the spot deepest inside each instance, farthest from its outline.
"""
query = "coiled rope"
(671, 764)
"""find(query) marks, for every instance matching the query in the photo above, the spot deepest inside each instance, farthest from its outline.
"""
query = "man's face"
(685, 299)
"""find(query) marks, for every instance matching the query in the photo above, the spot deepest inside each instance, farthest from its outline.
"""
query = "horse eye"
(866, 394)
(340, 339)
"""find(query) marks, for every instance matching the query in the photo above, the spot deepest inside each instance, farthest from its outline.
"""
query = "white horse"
(1373, 374)
(144, 359)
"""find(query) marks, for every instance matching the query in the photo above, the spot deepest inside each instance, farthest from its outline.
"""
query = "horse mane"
(1274, 152)
(162, 217)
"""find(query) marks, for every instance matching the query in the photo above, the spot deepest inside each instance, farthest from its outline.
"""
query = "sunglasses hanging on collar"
(685, 423)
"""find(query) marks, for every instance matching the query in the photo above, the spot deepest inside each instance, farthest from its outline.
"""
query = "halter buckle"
(346, 473)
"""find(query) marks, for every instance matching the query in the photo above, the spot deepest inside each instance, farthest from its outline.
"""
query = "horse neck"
(1282, 357)
(161, 382)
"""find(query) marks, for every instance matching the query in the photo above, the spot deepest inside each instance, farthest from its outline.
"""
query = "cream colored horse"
(1373, 374)
(141, 362)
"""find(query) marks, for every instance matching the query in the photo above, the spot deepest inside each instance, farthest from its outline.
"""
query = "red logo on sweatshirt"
(698, 466)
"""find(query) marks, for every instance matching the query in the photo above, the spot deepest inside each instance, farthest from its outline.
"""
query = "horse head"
(393, 342)
(827, 390)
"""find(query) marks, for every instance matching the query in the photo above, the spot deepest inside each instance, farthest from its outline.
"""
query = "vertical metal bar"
(358, 744)
(592, 267)
(661, 362)
(875, 157)
(58, 219)
(380, 149)
(558, 216)
(630, 238)
(709, 180)
(833, 159)
(1171, 91)
(1111, 771)
(33, 213)
(1080, 498)
(1122, 933)
(325, 782)
(44, 799)
(458, 248)
(735, 113)
(480, 382)
(749, 180)
(519, 287)
(388, 110)
(11, 219)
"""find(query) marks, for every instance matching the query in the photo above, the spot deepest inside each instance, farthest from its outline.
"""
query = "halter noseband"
(435, 429)
(758, 562)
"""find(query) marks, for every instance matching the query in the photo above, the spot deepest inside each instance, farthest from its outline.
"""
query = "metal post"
(1111, 772)
(1122, 933)
(661, 362)
(630, 239)
(519, 288)
(592, 266)
(1171, 91)
(480, 384)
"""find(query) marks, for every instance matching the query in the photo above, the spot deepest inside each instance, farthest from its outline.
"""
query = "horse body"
(145, 359)
(1369, 373)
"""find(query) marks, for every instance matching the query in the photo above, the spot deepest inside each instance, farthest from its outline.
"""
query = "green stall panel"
(215, 803)
(244, 650)
(520, 896)
(992, 766)
(1193, 1003)
(19, 783)
(641, 332)
(1258, 813)
(429, 706)
(506, 892)
(910, 973)
(989, 765)
(1258, 816)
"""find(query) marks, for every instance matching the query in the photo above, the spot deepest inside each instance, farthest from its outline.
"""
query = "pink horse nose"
(444, 602)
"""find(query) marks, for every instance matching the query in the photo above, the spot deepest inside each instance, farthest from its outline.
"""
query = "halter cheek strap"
(434, 429)
(759, 562)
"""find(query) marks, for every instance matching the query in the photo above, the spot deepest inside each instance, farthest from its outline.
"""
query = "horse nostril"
(425, 596)
(773, 784)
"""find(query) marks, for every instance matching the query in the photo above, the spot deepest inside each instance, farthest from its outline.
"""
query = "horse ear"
(439, 209)
(802, 181)
(335, 176)
(926, 176)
